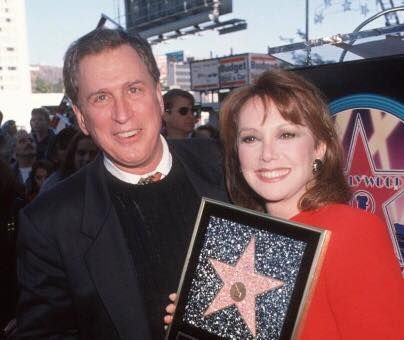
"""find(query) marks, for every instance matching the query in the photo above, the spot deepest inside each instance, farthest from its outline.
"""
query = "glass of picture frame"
(246, 276)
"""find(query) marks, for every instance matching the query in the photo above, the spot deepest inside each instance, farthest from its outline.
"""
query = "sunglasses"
(183, 111)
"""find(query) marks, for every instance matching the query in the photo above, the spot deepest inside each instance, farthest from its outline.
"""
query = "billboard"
(259, 63)
(230, 72)
(233, 71)
(155, 17)
(205, 75)
(177, 56)
(366, 98)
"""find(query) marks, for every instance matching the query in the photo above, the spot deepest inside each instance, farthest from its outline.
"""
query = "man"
(179, 115)
(25, 156)
(40, 129)
(8, 131)
(99, 253)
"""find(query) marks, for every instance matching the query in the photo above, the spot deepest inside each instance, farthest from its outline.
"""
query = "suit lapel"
(202, 187)
(108, 259)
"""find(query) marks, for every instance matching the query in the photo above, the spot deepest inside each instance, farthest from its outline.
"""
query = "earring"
(317, 165)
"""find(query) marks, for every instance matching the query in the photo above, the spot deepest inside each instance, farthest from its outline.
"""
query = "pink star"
(241, 286)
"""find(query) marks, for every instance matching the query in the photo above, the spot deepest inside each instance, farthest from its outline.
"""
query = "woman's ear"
(320, 151)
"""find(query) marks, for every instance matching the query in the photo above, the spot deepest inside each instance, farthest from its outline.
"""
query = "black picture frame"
(284, 250)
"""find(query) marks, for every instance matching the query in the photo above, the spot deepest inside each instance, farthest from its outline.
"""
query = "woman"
(58, 147)
(282, 156)
(41, 170)
(80, 151)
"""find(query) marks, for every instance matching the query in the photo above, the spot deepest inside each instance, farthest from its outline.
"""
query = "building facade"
(15, 83)
(179, 75)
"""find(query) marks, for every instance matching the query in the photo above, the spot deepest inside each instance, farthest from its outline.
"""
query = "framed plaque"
(246, 276)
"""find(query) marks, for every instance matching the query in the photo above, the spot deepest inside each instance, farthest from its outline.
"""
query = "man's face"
(25, 145)
(39, 124)
(120, 106)
(180, 118)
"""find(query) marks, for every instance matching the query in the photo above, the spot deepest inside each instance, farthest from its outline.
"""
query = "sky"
(53, 25)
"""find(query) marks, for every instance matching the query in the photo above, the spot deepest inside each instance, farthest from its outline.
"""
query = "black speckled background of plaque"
(276, 256)
(284, 250)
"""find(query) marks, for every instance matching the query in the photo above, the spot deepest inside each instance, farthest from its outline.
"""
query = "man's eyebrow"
(103, 91)
(135, 82)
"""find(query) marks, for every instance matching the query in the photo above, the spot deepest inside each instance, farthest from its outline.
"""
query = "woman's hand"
(170, 309)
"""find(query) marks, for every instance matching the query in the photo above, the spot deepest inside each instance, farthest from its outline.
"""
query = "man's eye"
(133, 90)
(100, 98)
(288, 135)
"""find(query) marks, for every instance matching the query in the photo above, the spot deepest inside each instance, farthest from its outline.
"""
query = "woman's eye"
(248, 139)
(288, 135)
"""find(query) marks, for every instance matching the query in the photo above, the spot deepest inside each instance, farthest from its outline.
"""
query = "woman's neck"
(285, 211)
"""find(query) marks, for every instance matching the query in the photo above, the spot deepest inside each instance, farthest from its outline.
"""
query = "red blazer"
(360, 292)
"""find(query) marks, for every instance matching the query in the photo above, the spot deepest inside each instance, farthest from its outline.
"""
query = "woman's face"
(276, 156)
(40, 175)
(86, 151)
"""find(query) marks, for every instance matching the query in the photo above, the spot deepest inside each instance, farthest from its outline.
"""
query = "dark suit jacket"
(76, 275)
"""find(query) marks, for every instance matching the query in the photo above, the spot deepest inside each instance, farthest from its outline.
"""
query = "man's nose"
(121, 110)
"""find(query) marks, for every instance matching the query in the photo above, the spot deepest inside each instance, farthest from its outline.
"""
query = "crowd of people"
(103, 211)
(28, 162)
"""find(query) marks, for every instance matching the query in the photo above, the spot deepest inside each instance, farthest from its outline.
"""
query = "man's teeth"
(128, 133)
(274, 173)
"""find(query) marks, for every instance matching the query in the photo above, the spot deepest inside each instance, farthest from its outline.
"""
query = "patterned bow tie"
(150, 179)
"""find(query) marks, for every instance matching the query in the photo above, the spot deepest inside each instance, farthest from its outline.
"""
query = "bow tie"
(150, 179)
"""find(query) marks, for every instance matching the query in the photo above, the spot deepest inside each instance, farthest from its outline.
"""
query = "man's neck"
(25, 161)
(163, 166)
(41, 135)
(176, 134)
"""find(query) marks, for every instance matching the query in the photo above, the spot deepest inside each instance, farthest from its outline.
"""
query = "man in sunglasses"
(180, 115)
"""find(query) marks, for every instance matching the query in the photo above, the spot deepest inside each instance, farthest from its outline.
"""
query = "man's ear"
(80, 119)
(160, 98)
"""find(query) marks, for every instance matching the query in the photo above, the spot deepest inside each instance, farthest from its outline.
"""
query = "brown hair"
(299, 102)
(68, 166)
(41, 111)
(97, 41)
(169, 97)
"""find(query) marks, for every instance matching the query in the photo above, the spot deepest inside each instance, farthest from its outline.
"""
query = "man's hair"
(170, 96)
(42, 112)
(299, 102)
(96, 42)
